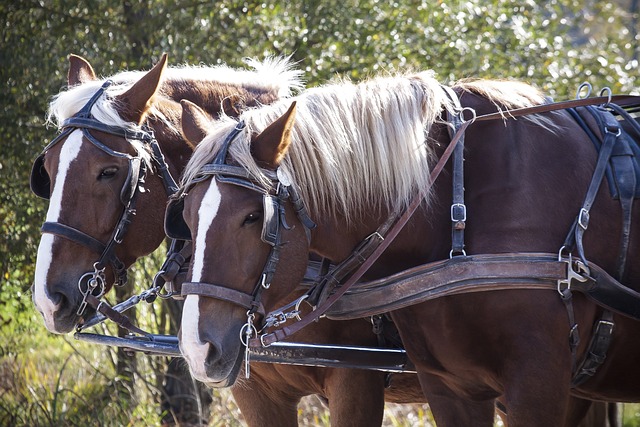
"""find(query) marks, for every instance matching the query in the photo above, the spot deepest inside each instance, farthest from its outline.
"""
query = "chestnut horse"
(322, 173)
(85, 183)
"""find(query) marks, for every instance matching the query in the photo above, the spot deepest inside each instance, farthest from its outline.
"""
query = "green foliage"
(555, 45)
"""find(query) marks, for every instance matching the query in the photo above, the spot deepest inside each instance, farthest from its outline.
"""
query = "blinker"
(40, 182)
(175, 226)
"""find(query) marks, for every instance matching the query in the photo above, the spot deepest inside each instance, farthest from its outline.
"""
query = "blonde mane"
(356, 148)
(274, 74)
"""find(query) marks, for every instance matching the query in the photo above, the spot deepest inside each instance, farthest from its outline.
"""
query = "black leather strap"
(70, 233)
(222, 293)
(597, 350)
(458, 208)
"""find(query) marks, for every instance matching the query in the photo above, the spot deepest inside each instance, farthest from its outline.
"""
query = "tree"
(555, 45)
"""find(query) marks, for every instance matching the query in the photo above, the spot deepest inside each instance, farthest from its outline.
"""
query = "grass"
(49, 380)
(57, 381)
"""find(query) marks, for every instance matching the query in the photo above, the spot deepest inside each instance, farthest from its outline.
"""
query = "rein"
(92, 283)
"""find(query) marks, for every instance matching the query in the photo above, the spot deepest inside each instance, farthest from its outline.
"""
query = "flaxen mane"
(356, 148)
(274, 75)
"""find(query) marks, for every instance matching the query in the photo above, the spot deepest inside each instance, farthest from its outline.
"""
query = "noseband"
(273, 196)
(94, 281)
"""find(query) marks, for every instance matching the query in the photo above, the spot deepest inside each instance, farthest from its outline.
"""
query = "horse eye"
(108, 173)
(252, 218)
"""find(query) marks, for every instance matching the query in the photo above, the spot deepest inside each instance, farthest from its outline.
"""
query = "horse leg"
(536, 399)
(450, 410)
(577, 413)
(593, 414)
(265, 406)
(356, 397)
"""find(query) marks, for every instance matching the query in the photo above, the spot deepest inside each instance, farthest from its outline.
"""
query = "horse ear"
(137, 99)
(80, 71)
(195, 122)
(231, 106)
(270, 146)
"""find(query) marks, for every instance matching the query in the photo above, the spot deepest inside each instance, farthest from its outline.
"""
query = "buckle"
(583, 218)
(458, 212)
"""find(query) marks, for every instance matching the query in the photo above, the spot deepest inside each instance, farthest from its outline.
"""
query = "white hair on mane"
(356, 148)
(273, 74)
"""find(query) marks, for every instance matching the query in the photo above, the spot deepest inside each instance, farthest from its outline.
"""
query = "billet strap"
(398, 220)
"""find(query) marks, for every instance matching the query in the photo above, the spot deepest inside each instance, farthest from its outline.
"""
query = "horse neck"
(426, 236)
(209, 95)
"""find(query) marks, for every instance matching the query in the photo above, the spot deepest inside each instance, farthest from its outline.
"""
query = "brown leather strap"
(474, 273)
(119, 318)
(622, 100)
(222, 293)
(482, 273)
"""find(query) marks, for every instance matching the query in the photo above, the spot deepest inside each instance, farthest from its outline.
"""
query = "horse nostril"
(57, 298)
(213, 354)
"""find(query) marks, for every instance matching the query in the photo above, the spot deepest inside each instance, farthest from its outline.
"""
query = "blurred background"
(50, 380)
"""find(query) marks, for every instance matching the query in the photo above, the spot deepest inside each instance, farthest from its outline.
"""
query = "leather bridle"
(274, 196)
(93, 282)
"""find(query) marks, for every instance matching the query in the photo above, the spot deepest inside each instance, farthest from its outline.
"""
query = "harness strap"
(332, 279)
(398, 220)
(597, 351)
(574, 335)
(576, 233)
(75, 235)
(623, 100)
(175, 264)
(458, 208)
(170, 184)
(626, 171)
(223, 293)
(108, 311)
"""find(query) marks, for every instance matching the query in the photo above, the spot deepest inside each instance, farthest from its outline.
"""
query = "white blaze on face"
(41, 297)
(194, 350)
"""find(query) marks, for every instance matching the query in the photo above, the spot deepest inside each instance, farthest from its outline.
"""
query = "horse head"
(93, 174)
(241, 225)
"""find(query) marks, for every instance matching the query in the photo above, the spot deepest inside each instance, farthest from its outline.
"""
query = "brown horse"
(85, 183)
(323, 173)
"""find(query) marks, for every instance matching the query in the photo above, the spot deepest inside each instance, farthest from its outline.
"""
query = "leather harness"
(92, 284)
(543, 271)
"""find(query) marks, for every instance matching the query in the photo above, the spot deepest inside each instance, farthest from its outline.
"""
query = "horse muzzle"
(212, 365)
